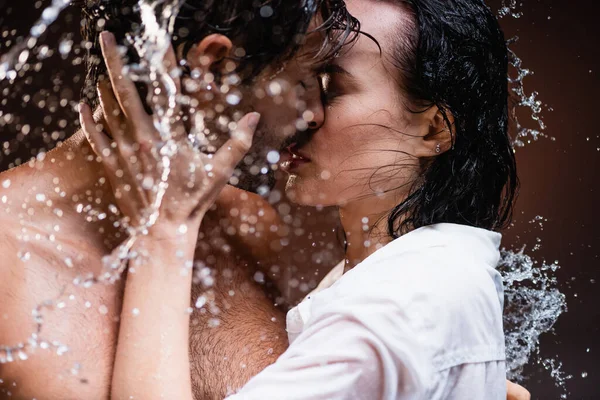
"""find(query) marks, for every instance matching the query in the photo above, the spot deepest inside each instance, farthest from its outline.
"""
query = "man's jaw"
(262, 183)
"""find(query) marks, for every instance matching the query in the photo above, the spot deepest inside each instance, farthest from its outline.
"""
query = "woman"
(414, 151)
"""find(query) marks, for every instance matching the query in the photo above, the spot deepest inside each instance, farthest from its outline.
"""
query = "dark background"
(558, 41)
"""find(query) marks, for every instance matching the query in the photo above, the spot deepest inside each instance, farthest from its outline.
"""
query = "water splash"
(509, 8)
(18, 55)
(526, 100)
(531, 291)
(152, 44)
(529, 101)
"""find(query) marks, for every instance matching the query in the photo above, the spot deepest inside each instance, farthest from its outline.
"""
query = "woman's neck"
(365, 224)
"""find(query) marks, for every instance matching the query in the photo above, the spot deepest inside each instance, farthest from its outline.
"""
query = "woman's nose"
(314, 115)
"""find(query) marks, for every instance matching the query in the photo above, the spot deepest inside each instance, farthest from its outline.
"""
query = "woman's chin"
(304, 193)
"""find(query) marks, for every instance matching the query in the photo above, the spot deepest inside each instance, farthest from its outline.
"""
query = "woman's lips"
(292, 158)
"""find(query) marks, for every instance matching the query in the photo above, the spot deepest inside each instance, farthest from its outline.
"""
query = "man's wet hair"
(269, 31)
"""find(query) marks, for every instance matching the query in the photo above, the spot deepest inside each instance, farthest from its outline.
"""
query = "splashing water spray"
(529, 101)
(18, 55)
(529, 289)
(152, 45)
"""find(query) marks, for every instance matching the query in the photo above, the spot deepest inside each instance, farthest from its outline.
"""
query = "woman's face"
(366, 145)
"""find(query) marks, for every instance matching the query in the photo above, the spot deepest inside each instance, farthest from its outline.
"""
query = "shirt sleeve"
(341, 355)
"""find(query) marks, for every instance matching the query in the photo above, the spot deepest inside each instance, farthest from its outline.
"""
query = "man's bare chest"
(74, 354)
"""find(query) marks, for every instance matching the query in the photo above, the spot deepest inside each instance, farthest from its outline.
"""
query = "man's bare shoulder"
(11, 258)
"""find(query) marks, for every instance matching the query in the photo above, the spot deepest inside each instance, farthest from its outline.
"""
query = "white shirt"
(421, 318)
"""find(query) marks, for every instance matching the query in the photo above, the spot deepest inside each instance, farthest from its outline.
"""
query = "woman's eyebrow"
(335, 69)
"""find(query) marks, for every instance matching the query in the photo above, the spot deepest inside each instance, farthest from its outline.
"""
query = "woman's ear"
(438, 135)
(211, 49)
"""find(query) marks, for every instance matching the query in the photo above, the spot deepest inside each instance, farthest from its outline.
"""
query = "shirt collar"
(478, 242)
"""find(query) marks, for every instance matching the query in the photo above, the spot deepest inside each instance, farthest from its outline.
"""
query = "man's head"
(257, 38)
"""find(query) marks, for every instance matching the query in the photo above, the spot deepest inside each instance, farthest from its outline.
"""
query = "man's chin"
(261, 183)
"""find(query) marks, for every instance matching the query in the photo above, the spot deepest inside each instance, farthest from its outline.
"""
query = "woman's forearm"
(152, 360)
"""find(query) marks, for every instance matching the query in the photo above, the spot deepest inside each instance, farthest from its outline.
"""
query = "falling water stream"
(533, 302)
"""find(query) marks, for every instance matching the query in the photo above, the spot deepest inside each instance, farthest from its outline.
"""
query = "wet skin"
(91, 331)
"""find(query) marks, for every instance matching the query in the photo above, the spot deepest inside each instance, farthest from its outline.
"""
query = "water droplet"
(200, 302)
(233, 99)
(266, 11)
(6, 183)
(62, 349)
(274, 88)
(64, 47)
(259, 277)
(273, 156)
(325, 175)
(148, 183)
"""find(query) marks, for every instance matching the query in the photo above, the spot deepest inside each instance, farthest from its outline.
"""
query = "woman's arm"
(152, 360)
(152, 354)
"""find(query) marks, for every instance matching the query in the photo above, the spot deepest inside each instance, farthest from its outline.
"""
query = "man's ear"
(209, 50)
(438, 133)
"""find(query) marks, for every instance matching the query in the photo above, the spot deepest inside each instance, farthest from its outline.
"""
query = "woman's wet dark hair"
(269, 31)
(455, 57)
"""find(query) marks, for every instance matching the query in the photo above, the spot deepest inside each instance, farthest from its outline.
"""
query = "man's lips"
(292, 158)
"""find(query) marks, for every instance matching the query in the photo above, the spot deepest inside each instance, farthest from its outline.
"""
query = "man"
(51, 203)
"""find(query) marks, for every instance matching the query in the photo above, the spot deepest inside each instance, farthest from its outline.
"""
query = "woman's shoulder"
(444, 238)
(441, 251)
(437, 273)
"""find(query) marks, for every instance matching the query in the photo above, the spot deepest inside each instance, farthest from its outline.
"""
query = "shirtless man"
(58, 224)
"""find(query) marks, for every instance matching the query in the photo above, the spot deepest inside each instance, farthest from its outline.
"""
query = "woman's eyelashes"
(329, 90)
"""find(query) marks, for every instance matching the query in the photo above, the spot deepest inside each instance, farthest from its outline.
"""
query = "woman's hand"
(136, 163)
(152, 359)
(516, 392)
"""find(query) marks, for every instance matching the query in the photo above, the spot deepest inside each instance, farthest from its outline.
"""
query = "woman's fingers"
(124, 88)
(133, 162)
(111, 110)
(232, 152)
(117, 126)
(99, 141)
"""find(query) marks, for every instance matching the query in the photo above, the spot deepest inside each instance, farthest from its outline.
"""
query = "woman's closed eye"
(328, 92)
(331, 89)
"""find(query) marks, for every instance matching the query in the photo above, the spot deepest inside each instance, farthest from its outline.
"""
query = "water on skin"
(532, 300)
